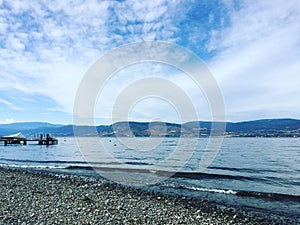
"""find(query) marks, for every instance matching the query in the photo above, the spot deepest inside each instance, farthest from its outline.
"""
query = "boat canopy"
(17, 136)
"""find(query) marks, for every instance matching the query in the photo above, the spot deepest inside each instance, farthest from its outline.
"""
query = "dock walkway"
(43, 140)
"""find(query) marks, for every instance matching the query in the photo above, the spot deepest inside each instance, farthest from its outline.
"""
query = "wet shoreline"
(40, 198)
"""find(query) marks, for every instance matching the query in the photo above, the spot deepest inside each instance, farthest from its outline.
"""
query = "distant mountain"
(25, 127)
(265, 128)
(145, 129)
(257, 128)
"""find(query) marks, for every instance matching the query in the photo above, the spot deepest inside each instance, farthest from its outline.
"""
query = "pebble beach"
(40, 198)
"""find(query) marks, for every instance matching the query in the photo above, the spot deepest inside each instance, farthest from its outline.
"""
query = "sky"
(252, 48)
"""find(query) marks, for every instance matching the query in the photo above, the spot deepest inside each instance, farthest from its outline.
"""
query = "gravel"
(39, 198)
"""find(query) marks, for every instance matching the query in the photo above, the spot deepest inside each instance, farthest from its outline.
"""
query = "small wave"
(43, 161)
(32, 166)
(76, 167)
(270, 196)
(138, 163)
(106, 169)
(241, 193)
(243, 170)
(221, 191)
(201, 189)
(200, 175)
(163, 173)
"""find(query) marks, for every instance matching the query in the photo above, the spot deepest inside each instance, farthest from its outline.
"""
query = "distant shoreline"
(257, 128)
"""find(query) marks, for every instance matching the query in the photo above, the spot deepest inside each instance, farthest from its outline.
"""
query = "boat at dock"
(19, 138)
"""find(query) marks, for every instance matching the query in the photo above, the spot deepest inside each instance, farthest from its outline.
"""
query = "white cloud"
(53, 44)
(7, 121)
(126, 78)
(19, 6)
(15, 44)
(5, 102)
(10, 104)
(29, 100)
(3, 26)
(48, 46)
(258, 64)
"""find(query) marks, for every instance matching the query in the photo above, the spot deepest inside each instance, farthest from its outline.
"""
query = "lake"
(252, 172)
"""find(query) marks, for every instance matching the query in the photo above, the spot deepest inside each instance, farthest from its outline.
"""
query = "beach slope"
(37, 198)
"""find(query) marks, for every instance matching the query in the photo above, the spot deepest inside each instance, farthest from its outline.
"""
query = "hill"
(25, 127)
(256, 128)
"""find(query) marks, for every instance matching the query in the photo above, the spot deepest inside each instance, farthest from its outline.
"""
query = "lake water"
(251, 172)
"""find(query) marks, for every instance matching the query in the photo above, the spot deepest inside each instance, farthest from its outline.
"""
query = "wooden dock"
(42, 140)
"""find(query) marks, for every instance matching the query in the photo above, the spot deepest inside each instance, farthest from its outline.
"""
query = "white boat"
(17, 136)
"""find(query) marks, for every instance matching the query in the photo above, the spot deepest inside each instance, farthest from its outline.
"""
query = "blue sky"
(251, 47)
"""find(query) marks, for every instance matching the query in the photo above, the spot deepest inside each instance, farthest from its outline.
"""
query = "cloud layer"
(47, 46)
(258, 60)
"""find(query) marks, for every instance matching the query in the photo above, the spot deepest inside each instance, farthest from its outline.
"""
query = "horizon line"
(137, 121)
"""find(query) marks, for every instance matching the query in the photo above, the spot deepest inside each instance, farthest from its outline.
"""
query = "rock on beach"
(39, 198)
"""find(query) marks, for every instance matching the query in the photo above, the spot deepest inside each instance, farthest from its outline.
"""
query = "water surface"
(256, 172)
